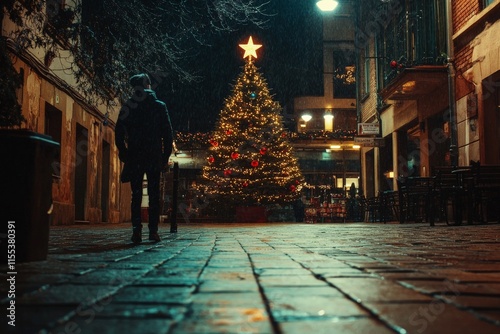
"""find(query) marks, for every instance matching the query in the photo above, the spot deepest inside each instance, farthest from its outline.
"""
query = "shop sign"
(369, 142)
(368, 129)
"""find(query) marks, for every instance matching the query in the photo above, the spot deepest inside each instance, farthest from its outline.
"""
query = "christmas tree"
(250, 160)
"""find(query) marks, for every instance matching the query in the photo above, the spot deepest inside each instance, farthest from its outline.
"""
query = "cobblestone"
(263, 278)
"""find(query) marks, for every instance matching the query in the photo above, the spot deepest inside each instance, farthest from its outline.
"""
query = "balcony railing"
(414, 36)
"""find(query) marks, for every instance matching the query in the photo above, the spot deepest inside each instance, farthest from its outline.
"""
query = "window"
(54, 8)
(366, 85)
(344, 82)
(59, 20)
(20, 90)
(97, 39)
(53, 127)
(486, 3)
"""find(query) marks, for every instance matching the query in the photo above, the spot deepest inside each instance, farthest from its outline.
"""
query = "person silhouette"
(144, 138)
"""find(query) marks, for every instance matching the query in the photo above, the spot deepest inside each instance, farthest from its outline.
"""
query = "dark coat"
(144, 135)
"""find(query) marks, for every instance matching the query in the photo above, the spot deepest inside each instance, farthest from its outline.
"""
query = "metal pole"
(344, 181)
(173, 217)
(451, 85)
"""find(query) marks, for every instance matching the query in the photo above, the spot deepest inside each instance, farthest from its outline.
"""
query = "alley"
(263, 278)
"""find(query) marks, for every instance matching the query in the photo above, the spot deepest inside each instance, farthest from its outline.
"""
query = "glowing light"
(335, 147)
(327, 5)
(356, 147)
(306, 117)
(328, 121)
(251, 172)
(250, 49)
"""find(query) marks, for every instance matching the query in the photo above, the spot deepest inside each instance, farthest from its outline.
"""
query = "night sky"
(290, 60)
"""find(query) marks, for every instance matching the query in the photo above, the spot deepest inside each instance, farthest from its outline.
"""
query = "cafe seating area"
(455, 195)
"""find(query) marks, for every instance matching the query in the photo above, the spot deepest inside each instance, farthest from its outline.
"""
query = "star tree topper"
(250, 49)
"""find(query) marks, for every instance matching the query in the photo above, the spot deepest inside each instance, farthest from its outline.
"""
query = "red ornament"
(283, 134)
(293, 188)
(254, 163)
(263, 150)
(227, 172)
(394, 64)
(229, 132)
(297, 181)
(214, 143)
(211, 160)
(235, 155)
(245, 184)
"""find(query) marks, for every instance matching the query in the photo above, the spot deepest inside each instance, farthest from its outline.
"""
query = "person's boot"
(136, 235)
(153, 236)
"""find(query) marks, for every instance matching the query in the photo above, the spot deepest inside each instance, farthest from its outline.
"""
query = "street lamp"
(327, 5)
(306, 117)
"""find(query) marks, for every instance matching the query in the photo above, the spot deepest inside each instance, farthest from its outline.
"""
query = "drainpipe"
(357, 52)
(451, 85)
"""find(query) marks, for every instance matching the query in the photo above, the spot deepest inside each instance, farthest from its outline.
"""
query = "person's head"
(140, 81)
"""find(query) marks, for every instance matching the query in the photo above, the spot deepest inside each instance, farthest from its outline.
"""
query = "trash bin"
(26, 193)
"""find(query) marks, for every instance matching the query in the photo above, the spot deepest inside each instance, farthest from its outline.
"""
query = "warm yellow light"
(409, 86)
(250, 49)
(335, 147)
(306, 117)
(327, 5)
(328, 121)
(389, 175)
(356, 147)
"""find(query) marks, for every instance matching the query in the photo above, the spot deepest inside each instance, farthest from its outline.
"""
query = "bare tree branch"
(109, 40)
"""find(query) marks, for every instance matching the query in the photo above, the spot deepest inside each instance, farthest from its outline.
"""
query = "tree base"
(251, 214)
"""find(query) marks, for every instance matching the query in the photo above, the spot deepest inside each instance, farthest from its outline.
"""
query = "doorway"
(491, 120)
(413, 151)
(370, 167)
(386, 165)
(106, 158)
(81, 155)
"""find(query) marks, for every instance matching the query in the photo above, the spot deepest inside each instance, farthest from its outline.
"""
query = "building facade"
(324, 140)
(86, 174)
(428, 77)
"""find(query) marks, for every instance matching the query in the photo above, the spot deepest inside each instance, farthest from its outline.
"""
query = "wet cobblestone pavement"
(263, 278)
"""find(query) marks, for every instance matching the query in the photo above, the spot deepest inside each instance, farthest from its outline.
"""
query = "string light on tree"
(249, 149)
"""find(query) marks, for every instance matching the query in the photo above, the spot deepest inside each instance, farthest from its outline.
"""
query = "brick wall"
(463, 58)
(463, 10)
